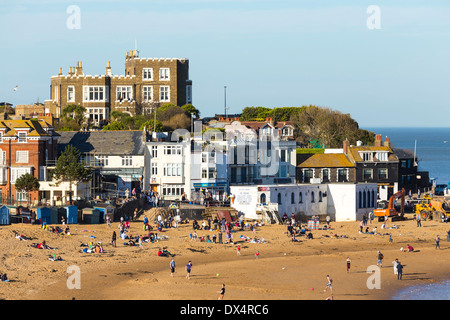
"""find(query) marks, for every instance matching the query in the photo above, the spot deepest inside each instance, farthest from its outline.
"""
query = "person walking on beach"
(113, 240)
(419, 223)
(238, 250)
(221, 292)
(399, 271)
(348, 264)
(438, 239)
(380, 259)
(329, 285)
(172, 267)
(188, 270)
(395, 262)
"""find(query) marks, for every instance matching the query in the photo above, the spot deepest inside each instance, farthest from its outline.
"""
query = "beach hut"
(91, 216)
(4, 216)
(43, 214)
(71, 214)
(54, 215)
(105, 211)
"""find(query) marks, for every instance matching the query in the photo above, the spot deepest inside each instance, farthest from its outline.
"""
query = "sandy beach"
(284, 270)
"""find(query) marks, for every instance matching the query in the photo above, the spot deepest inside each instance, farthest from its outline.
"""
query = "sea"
(432, 146)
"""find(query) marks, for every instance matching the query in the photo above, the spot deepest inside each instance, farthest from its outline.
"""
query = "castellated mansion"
(147, 83)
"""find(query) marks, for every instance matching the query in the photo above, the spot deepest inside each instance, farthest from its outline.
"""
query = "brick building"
(146, 84)
(25, 147)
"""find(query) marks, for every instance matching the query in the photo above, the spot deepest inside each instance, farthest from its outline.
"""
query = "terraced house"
(26, 146)
(146, 84)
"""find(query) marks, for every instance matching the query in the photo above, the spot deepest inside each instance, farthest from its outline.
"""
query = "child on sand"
(257, 254)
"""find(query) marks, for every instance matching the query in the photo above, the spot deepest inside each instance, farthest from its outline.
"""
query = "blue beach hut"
(4, 215)
(43, 214)
(71, 214)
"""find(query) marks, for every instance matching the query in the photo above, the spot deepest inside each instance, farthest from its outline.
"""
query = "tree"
(329, 127)
(190, 109)
(27, 183)
(69, 168)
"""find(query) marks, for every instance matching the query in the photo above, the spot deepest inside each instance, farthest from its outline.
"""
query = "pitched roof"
(355, 156)
(104, 142)
(34, 127)
(326, 160)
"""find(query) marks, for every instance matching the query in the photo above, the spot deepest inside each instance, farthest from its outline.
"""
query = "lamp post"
(225, 100)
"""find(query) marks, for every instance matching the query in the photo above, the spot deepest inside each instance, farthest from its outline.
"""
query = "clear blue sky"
(270, 53)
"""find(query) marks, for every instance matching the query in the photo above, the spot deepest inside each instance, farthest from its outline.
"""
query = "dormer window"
(366, 156)
(22, 137)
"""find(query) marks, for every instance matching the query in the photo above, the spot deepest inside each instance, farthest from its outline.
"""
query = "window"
(204, 157)
(283, 155)
(367, 174)
(342, 175)
(300, 197)
(292, 198)
(307, 175)
(189, 94)
(204, 173)
(95, 94)
(70, 94)
(102, 161)
(173, 190)
(312, 197)
(279, 198)
(147, 74)
(382, 173)
(21, 156)
(21, 196)
(154, 168)
(17, 172)
(172, 149)
(164, 93)
(212, 173)
(172, 169)
(127, 161)
(124, 93)
(326, 175)
(154, 151)
(22, 136)
(147, 93)
(2, 157)
(382, 156)
(262, 198)
(366, 156)
(164, 74)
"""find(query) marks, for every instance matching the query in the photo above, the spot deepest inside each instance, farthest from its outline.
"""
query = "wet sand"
(284, 270)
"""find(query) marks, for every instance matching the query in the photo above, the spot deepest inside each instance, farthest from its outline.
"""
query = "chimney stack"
(79, 69)
(346, 146)
(377, 140)
(387, 142)
(108, 69)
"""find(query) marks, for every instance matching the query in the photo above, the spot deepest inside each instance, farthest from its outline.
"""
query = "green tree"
(27, 183)
(69, 168)
(115, 125)
(76, 112)
(149, 123)
(190, 109)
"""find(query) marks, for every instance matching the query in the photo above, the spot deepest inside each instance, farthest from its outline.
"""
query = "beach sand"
(284, 270)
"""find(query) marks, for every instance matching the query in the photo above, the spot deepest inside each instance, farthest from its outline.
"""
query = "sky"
(383, 62)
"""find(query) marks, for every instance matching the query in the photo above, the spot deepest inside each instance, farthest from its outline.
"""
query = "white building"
(343, 202)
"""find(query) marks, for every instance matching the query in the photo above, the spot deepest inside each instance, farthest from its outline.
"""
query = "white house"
(343, 202)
